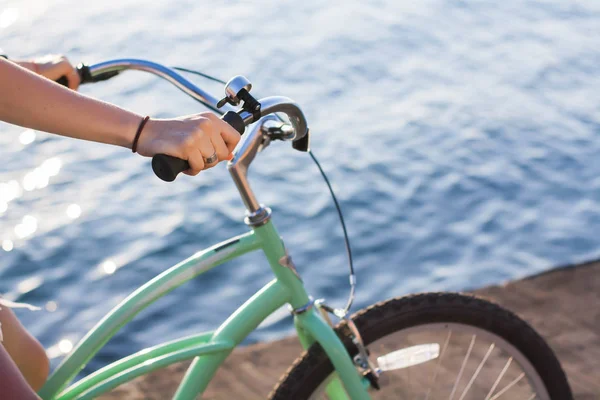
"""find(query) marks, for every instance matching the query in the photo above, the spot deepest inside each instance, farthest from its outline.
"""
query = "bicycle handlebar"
(168, 167)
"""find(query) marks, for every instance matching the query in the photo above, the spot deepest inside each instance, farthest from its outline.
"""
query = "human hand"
(192, 138)
(54, 66)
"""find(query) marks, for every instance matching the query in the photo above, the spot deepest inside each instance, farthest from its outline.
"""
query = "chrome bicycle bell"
(235, 90)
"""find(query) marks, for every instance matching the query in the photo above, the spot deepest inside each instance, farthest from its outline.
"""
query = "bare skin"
(26, 352)
(31, 101)
(13, 385)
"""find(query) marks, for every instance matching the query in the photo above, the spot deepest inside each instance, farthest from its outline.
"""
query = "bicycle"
(424, 345)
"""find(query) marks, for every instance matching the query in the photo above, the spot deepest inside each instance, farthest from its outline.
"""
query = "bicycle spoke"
(532, 397)
(462, 367)
(499, 378)
(464, 393)
(513, 383)
(437, 366)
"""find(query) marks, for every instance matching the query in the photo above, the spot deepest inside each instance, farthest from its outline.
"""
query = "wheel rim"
(472, 364)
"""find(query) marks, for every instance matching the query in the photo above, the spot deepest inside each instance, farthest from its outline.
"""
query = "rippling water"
(462, 139)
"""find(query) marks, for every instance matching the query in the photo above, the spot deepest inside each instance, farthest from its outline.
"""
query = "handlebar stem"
(243, 155)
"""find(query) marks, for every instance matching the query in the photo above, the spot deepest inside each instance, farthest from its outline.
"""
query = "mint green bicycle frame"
(208, 349)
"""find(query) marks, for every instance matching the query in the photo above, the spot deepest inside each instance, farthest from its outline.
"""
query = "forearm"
(35, 102)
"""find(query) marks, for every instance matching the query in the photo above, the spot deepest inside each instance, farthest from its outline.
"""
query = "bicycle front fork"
(347, 384)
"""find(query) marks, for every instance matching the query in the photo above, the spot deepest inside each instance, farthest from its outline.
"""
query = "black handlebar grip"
(234, 119)
(168, 167)
(63, 81)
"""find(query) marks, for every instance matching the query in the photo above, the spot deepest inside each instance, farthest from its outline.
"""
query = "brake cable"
(340, 313)
(191, 71)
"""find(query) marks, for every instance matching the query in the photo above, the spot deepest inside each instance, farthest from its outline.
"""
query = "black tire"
(311, 369)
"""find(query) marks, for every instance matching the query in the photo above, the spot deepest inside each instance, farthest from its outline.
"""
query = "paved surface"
(563, 305)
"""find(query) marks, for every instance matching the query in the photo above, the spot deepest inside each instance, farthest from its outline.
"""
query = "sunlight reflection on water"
(27, 137)
(27, 227)
(74, 211)
(64, 346)
(8, 17)
(51, 306)
(10, 191)
(108, 267)
(30, 284)
(7, 245)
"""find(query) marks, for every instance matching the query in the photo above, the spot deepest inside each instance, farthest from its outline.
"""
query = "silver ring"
(212, 159)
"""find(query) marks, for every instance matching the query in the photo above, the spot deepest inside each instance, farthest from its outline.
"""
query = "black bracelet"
(137, 134)
(4, 56)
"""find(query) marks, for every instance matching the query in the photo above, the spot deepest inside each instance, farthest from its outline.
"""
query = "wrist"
(121, 132)
(152, 129)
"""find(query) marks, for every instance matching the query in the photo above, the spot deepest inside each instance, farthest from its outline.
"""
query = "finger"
(65, 68)
(208, 150)
(229, 135)
(53, 72)
(74, 79)
(196, 163)
(231, 145)
(220, 146)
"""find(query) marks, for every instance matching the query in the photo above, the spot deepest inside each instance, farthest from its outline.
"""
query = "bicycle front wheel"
(477, 350)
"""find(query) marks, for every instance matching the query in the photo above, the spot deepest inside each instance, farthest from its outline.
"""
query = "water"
(461, 137)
